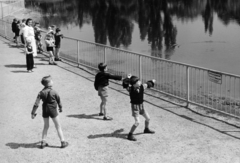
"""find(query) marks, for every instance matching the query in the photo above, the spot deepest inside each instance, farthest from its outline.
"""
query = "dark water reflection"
(205, 33)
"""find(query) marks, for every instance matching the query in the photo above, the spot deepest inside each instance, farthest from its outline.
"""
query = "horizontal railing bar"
(79, 63)
(152, 57)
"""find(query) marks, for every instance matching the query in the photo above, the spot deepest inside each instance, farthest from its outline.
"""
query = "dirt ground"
(182, 135)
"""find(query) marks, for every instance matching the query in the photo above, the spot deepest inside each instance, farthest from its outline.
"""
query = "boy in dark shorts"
(101, 85)
(136, 92)
(50, 100)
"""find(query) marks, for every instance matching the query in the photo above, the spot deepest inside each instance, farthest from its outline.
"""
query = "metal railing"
(203, 87)
(8, 7)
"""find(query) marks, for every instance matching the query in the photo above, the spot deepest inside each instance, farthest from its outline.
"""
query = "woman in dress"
(29, 33)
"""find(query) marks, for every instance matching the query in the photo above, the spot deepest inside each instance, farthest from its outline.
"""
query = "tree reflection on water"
(113, 20)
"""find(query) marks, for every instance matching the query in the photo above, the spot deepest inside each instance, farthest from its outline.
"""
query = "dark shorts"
(50, 112)
(49, 49)
(17, 34)
(137, 109)
(103, 91)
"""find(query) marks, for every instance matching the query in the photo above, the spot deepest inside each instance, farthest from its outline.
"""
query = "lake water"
(204, 33)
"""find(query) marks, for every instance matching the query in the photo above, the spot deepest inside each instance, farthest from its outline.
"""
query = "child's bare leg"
(147, 120)
(51, 57)
(57, 53)
(134, 126)
(59, 128)
(45, 128)
(103, 105)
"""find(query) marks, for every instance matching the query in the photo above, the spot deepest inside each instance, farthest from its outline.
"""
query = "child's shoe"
(148, 131)
(100, 114)
(43, 144)
(64, 144)
(131, 137)
(107, 118)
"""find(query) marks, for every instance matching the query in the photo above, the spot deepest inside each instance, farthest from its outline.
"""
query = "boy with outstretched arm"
(50, 100)
(101, 85)
(136, 92)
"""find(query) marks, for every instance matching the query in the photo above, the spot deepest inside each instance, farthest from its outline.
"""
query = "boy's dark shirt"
(57, 39)
(102, 79)
(17, 30)
(50, 100)
(136, 95)
(14, 26)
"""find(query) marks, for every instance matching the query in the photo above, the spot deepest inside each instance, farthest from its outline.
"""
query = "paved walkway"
(182, 136)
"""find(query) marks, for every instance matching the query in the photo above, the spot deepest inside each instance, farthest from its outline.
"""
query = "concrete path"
(182, 135)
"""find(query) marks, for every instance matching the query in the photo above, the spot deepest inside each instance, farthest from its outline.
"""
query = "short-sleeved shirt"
(50, 100)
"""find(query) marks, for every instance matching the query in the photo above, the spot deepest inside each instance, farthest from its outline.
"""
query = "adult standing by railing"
(29, 33)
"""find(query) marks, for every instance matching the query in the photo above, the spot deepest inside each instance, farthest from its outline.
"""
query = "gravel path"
(182, 136)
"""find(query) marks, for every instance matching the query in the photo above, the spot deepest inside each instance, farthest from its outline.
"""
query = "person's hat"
(102, 66)
(46, 80)
(133, 80)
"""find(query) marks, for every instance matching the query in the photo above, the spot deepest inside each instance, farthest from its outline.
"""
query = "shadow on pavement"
(16, 66)
(23, 145)
(84, 116)
(20, 71)
(28, 145)
(116, 134)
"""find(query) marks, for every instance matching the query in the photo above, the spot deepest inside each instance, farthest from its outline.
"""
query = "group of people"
(51, 102)
(31, 38)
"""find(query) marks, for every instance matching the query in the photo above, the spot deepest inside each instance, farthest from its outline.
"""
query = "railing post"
(187, 85)
(2, 9)
(140, 67)
(104, 57)
(5, 29)
(78, 53)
